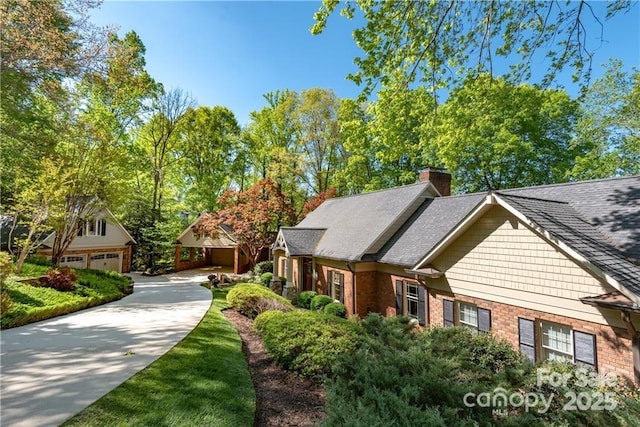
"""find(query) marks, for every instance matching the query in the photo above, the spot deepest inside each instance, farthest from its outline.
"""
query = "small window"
(95, 227)
(412, 300)
(337, 286)
(468, 315)
(557, 342)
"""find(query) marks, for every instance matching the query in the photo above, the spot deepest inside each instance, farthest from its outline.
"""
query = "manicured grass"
(33, 303)
(203, 381)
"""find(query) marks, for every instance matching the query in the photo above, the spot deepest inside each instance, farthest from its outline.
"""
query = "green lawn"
(33, 303)
(203, 381)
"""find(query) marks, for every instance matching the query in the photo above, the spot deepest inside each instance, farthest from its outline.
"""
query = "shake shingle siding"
(564, 223)
(361, 224)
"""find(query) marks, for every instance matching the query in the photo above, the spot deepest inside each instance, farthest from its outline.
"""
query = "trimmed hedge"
(252, 299)
(319, 301)
(307, 342)
(336, 309)
(304, 299)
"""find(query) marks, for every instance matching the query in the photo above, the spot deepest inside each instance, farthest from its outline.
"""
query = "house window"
(557, 342)
(411, 301)
(468, 316)
(95, 227)
(336, 290)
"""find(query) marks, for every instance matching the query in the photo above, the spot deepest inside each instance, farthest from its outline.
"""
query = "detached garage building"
(102, 243)
(222, 250)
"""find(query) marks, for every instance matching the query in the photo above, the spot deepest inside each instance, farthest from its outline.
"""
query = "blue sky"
(231, 53)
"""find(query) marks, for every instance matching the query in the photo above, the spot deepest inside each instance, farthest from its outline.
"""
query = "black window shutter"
(330, 283)
(584, 348)
(399, 286)
(341, 277)
(422, 306)
(484, 320)
(447, 306)
(527, 334)
(104, 228)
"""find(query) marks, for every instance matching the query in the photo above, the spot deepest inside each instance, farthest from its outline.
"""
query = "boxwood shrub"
(319, 301)
(304, 299)
(336, 309)
(265, 278)
(252, 299)
(307, 342)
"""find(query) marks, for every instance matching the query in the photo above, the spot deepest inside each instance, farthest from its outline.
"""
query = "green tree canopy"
(212, 159)
(493, 135)
(437, 41)
(610, 124)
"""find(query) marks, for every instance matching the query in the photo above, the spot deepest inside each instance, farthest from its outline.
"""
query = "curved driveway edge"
(53, 369)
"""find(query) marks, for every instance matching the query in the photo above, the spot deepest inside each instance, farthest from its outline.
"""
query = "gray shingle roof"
(427, 226)
(565, 223)
(301, 241)
(610, 205)
(362, 224)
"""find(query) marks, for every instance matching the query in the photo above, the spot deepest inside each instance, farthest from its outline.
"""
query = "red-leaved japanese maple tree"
(255, 215)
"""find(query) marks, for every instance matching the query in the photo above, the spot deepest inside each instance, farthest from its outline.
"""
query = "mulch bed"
(282, 398)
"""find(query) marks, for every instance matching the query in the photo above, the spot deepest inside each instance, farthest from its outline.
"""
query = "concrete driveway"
(53, 369)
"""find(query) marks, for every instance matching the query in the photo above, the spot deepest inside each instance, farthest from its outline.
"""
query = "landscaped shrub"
(61, 279)
(34, 303)
(304, 299)
(265, 278)
(6, 266)
(38, 260)
(307, 342)
(5, 302)
(422, 378)
(252, 299)
(319, 301)
(336, 309)
(263, 267)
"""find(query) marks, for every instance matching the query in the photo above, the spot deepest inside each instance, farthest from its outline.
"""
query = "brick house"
(552, 269)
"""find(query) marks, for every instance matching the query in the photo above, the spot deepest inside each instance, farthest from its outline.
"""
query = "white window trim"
(407, 297)
(336, 283)
(460, 312)
(546, 348)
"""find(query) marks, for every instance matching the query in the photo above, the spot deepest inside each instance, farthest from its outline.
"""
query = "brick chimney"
(438, 177)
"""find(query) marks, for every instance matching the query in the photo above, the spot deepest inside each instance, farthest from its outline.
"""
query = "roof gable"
(562, 226)
(298, 241)
(426, 227)
(362, 224)
(188, 238)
